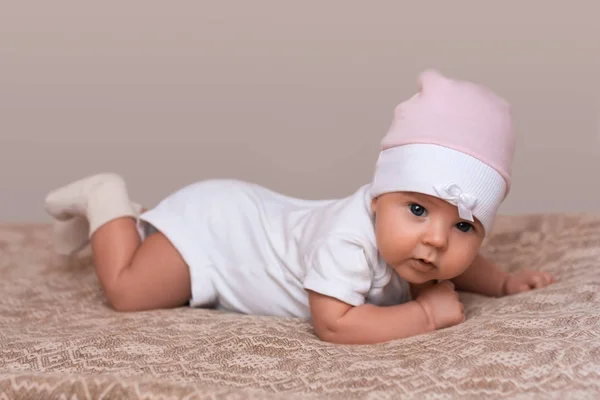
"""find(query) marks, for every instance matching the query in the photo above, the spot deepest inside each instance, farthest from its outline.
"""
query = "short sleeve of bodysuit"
(338, 268)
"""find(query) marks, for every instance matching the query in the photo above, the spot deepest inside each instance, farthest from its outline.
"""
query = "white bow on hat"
(455, 195)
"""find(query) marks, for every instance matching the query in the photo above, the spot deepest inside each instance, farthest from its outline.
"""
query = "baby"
(382, 263)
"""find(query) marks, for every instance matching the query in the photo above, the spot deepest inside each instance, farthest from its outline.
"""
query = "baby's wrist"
(427, 314)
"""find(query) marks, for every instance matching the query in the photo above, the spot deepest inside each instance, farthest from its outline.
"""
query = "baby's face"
(423, 238)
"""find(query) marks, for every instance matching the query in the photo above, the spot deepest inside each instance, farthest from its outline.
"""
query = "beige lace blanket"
(59, 339)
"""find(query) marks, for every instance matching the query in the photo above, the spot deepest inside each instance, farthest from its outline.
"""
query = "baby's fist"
(441, 305)
(526, 281)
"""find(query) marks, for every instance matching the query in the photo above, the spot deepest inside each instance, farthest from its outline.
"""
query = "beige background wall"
(293, 95)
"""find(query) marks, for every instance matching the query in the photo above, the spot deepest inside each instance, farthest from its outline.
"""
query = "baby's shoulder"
(347, 250)
(348, 222)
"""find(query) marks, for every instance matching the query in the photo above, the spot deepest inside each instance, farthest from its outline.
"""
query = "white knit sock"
(72, 235)
(100, 198)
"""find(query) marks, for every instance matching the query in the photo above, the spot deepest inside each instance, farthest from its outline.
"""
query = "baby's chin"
(412, 277)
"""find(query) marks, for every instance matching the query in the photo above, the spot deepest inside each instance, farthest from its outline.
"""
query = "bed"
(59, 340)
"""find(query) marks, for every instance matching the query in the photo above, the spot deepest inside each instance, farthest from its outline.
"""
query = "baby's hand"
(527, 280)
(441, 304)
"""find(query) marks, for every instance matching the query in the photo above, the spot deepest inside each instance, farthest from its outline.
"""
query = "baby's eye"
(464, 226)
(418, 210)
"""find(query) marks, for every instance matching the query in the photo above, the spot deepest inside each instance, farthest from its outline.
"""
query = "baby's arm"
(484, 277)
(338, 322)
(338, 279)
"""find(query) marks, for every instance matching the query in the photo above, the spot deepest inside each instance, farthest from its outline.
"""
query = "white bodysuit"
(254, 251)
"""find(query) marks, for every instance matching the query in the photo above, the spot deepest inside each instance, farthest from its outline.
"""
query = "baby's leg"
(139, 276)
(133, 275)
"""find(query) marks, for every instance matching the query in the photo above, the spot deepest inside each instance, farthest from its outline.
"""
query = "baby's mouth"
(422, 265)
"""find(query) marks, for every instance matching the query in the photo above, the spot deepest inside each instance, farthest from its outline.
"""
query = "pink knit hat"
(453, 140)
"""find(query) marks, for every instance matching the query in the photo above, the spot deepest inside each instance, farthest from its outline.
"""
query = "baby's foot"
(72, 200)
(72, 235)
(100, 198)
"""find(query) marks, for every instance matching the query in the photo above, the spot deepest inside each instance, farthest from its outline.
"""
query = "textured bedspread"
(59, 339)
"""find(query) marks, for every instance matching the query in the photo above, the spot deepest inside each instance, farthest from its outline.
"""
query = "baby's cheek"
(459, 261)
(467, 247)
(396, 251)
